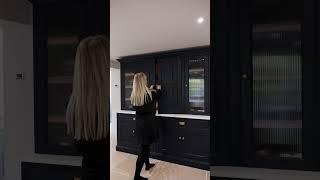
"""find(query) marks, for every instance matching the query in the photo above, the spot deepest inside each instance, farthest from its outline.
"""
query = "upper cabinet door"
(265, 95)
(197, 83)
(128, 69)
(169, 74)
(59, 26)
(277, 87)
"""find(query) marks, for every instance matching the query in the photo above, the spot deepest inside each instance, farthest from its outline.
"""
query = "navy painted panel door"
(170, 78)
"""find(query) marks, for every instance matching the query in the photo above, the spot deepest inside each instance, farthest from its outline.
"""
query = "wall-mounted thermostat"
(20, 76)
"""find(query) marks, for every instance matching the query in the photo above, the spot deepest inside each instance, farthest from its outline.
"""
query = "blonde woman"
(144, 100)
(87, 113)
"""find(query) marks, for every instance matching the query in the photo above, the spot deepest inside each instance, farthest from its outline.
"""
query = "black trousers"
(143, 158)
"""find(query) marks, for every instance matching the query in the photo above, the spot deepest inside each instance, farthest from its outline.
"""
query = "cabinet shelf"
(60, 80)
(63, 40)
(196, 71)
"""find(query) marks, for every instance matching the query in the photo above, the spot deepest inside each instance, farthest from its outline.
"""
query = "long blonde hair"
(87, 113)
(140, 90)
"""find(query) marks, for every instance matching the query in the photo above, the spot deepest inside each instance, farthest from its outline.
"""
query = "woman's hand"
(152, 87)
(158, 87)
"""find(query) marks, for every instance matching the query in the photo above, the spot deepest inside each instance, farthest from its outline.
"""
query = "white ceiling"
(143, 26)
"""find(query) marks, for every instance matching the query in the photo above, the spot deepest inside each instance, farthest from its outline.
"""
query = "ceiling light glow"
(200, 20)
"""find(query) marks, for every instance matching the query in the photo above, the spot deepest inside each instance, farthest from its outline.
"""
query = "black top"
(146, 125)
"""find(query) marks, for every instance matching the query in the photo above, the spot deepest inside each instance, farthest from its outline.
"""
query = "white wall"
(19, 107)
(115, 95)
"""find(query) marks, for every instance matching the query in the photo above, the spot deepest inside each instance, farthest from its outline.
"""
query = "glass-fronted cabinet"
(128, 85)
(276, 93)
(129, 67)
(265, 91)
(275, 99)
(61, 56)
(197, 83)
(59, 26)
(183, 74)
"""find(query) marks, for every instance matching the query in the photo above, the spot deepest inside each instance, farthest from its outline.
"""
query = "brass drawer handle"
(133, 131)
(182, 138)
(182, 123)
(134, 118)
(179, 138)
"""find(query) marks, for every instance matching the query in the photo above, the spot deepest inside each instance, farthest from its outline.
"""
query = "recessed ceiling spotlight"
(200, 20)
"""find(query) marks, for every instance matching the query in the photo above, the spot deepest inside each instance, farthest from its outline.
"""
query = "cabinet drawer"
(187, 138)
(197, 124)
(126, 133)
(126, 118)
(185, 124)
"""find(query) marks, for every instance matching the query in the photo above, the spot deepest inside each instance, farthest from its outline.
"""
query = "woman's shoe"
(149, 166)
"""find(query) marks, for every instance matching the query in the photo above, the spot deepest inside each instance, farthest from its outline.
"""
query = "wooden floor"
(123, 166)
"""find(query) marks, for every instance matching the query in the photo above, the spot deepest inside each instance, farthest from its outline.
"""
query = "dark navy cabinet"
(126, 133)
(58, 28)
(181, 141)
(183, 74)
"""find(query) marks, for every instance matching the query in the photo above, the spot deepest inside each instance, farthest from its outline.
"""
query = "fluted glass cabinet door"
(278, 83)
(128, 69)
(197, 83)
(266, 84)
(196, 72)
(128, 85)
(276, 90)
